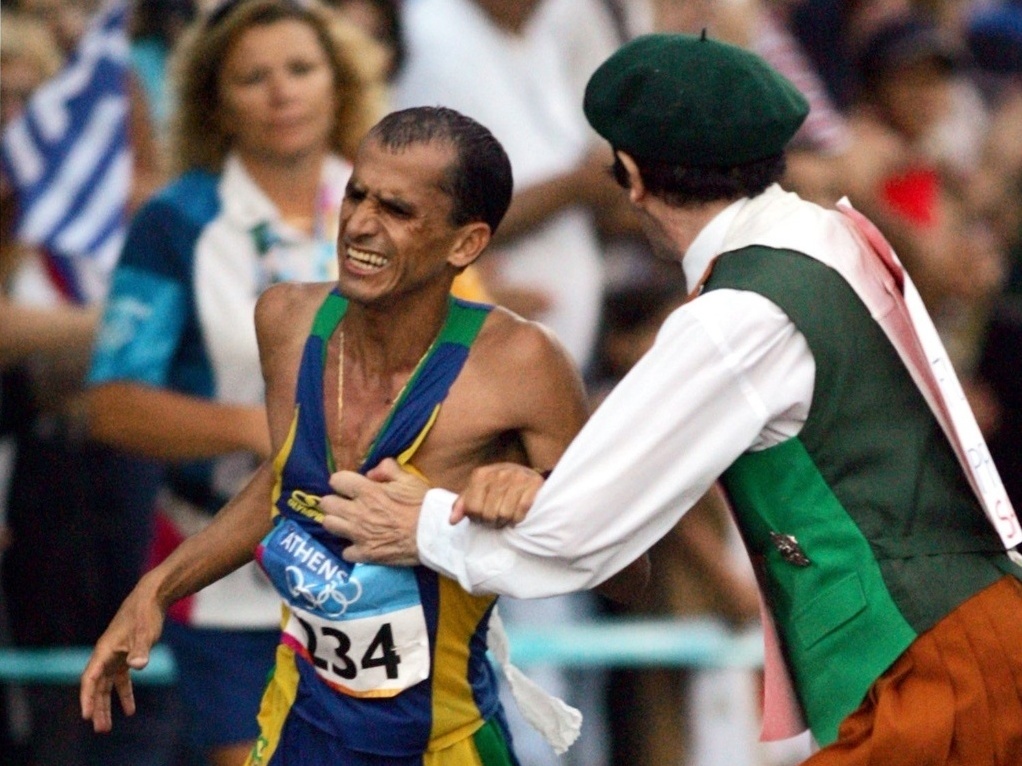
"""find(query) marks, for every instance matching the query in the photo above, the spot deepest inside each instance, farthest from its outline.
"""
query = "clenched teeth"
(366, 259)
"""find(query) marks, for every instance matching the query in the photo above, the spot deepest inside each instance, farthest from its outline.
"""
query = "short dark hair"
(479, 181)
(680, 185)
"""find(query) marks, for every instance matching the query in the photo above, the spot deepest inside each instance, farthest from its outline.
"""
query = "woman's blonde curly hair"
(197, 138)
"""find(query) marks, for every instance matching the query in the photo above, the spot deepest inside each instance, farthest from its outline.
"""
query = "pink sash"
(913, 335)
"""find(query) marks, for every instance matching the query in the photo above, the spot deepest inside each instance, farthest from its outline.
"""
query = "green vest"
(888, 536)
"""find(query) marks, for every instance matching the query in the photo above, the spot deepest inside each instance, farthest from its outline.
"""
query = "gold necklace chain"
(340, 377)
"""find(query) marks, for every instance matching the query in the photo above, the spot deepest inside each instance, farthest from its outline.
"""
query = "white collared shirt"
(728, 373)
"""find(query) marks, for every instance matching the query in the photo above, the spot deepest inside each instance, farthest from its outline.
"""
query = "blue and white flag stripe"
(69, 156)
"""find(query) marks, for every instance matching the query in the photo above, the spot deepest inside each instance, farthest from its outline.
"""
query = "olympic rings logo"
(331, 598)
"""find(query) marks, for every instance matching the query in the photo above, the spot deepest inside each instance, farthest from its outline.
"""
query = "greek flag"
(69, 159)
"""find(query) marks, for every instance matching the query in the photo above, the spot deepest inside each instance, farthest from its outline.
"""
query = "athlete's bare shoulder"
(518, 398)
(511, 342)
(287, 309)
(519, 365)
(283, 318)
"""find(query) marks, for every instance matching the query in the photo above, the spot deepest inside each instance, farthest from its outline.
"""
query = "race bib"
(360, 625)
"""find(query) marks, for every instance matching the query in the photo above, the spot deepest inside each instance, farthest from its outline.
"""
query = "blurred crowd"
(916, 118)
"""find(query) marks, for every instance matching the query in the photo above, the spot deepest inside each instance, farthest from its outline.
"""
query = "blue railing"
(600, 643)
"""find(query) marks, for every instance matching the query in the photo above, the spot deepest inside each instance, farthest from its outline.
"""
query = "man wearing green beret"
(805, 376)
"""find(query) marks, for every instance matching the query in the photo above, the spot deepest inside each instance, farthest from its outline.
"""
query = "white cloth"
(558, 722)
(522, 88)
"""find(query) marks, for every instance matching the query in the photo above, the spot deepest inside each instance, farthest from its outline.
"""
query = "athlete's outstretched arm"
(219, 549)
(231, 537)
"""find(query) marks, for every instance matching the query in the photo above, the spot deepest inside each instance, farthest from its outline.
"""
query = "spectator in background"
(155, 28)
(917, 97)
(271, 97)
(28, 56)
(913, 87)
(381, 19)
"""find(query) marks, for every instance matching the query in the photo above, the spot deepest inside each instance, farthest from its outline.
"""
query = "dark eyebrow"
(396, 205)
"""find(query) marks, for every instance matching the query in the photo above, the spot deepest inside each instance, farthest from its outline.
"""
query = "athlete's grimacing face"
(396, 233)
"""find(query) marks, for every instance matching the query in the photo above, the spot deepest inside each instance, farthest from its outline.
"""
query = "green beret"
(687, 100)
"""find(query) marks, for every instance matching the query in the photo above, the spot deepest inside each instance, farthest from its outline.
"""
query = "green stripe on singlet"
(328, 315)
(492, 746)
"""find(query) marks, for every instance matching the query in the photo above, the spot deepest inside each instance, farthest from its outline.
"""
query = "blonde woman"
(272, 97)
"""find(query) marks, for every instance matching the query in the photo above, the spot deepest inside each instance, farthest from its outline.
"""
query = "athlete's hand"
(498, 495)
(124, 646)
(378, 512)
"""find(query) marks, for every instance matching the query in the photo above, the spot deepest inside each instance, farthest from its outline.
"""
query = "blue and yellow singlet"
(384, 662)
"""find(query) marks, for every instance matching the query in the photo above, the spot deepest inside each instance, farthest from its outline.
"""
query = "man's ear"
(636, 188)
(471, 240)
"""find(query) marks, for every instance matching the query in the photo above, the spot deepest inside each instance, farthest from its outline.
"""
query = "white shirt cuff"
(470, 553)
(434, 530)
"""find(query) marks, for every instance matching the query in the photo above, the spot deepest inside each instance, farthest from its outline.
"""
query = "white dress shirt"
(728, 373)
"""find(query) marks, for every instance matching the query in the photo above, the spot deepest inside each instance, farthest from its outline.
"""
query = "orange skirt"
(954, 698)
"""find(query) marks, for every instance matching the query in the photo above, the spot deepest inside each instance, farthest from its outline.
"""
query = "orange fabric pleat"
(954, 698)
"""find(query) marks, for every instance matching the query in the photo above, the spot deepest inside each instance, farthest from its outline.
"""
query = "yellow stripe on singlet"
(405, 456)
(280, 460)
(276, 704)
(455, 713)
